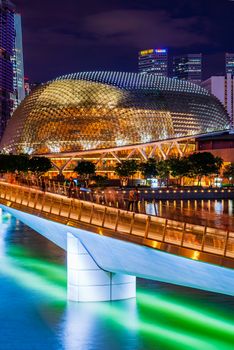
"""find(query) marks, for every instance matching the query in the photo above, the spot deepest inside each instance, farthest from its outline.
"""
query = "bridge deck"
(189, 240)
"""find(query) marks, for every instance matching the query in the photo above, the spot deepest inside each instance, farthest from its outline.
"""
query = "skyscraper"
(18, 64)
(6, 67)
(11, 61)
(188, 67)
(153, 61)
(229, 63)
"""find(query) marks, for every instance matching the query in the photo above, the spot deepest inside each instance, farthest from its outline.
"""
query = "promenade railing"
(123, 223)
(119, 197)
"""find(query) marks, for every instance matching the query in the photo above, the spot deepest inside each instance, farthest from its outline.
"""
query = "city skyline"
(66, 40)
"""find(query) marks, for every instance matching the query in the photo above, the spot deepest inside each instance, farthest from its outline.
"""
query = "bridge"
(108, 247)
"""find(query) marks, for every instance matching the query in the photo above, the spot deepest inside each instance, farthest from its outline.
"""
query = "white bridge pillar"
(86, 281)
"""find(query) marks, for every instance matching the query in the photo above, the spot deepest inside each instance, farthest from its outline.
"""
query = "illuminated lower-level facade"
(107, 159)
(111, 116)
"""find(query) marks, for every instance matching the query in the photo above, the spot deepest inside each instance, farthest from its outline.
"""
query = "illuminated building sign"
(146, 52)
(160, 50)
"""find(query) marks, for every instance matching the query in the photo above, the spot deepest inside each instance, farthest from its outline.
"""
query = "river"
(35, 315)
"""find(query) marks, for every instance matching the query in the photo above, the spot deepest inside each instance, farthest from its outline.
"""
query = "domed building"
(105, 110)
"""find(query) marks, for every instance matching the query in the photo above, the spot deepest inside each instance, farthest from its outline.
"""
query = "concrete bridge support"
(86, 281)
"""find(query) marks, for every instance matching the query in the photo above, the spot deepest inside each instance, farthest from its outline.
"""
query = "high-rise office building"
(223, 88)
(18, 64)
(11, 61)
(153, 61)
(229, 63)
(7, 38)
(188, 67)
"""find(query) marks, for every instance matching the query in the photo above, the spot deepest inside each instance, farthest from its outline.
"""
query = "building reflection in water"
(106, 324)
(5, 221)
(214, 213)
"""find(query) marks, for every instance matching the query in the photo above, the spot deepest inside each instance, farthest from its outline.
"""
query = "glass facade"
(153, 61)
(7, 36)
(188, 67)
(11, 62)
(18, 63)
(98, 110)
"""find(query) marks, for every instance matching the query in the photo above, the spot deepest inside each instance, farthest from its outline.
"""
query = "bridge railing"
(124, 223)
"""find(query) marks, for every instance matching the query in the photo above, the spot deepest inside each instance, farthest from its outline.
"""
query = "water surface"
(35, 315)
(213, 213)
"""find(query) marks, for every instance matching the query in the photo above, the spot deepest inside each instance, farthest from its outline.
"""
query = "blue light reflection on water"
(34, 313)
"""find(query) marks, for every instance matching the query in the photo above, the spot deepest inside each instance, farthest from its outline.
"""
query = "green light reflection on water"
(49, 270)
(31, 280)
(158, 318)
(168, 337)
(35, 273)
(215, 331)
(197, 318)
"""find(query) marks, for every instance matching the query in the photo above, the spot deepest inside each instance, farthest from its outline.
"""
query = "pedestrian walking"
(131, 196)
(136, 199)
(43, 185)
(70, 188)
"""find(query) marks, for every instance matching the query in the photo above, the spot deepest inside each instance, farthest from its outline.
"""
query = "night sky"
(78, 35)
